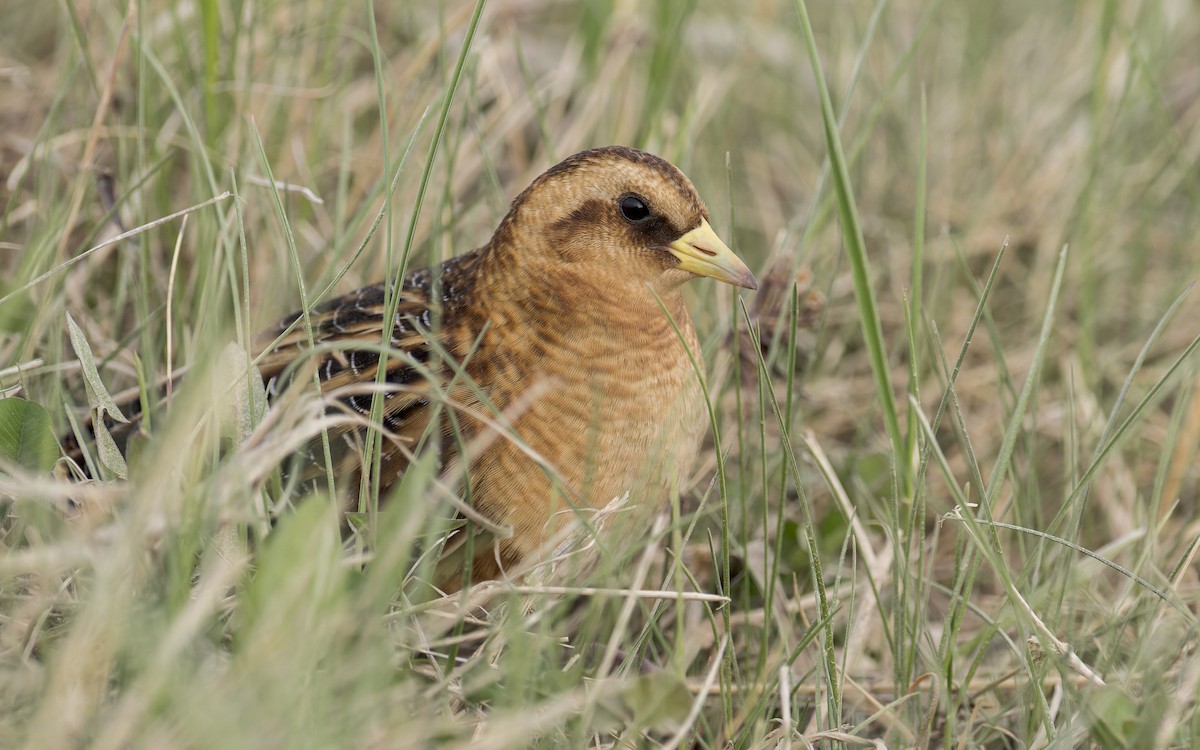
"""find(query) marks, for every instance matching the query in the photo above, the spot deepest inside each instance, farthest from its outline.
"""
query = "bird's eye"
(634, 208)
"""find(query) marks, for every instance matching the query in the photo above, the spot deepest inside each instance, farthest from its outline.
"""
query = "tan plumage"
(558, 324)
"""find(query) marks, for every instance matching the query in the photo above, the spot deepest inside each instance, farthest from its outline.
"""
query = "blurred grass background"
(871, 596)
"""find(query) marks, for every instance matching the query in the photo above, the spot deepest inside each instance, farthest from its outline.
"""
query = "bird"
(556, 365)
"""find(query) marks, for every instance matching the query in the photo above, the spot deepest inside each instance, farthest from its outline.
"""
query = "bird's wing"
(345, 354)
(346, 349)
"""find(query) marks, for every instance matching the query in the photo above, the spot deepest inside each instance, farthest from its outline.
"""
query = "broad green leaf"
(660, 700)
(299, 578)
(1115, 717)
(241, 394)
(16, 314)
(26, 435)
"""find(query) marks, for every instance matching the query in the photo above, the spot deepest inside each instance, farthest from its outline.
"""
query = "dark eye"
(634, 208)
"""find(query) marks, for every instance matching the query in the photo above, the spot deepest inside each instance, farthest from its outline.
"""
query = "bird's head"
(617, 214)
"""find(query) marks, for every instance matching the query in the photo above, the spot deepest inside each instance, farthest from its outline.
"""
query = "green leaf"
(660, 700)
(110, 454)
(239, 388)
(292, 631)
(299, 578)
(26, 436)
(16, 313)
(98, 397)
(1115, 715)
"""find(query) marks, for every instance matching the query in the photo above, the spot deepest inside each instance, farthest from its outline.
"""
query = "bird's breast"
(598, 411)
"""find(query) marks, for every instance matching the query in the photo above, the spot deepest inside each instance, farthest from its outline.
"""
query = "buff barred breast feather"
(568, 326)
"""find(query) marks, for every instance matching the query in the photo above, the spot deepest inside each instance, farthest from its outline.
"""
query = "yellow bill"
(702, 252)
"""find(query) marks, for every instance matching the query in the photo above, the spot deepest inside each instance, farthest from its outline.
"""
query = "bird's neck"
(582, 297)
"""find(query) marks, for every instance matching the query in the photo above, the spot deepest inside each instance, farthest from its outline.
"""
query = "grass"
(956, 431)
